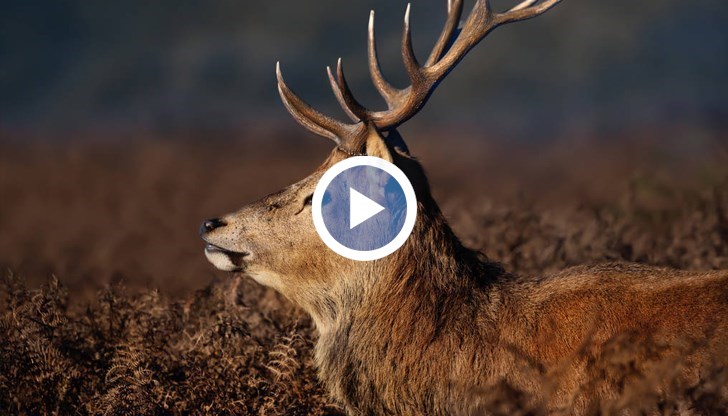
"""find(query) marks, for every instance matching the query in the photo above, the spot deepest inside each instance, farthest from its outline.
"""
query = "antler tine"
(482, 21)
(525, 10)
(339, 96)
(387, 91)
(309, 118)
(408, 54)
(454, 13)
(523, 5)
(343, 94)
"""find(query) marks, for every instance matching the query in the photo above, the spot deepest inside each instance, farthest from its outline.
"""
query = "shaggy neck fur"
(396, 315)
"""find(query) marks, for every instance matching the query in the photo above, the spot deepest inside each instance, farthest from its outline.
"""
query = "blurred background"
(124, 124)
(589, 67)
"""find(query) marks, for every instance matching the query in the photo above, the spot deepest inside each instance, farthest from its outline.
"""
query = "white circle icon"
(364, 208)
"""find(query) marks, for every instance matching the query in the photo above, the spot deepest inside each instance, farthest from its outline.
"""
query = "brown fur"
(430, 328)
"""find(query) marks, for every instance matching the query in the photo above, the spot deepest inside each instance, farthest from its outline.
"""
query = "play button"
(364, 208)
(361, 208)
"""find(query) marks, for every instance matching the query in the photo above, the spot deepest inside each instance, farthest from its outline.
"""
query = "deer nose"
(211, 224)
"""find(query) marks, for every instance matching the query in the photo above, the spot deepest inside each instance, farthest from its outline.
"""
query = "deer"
(432, 327)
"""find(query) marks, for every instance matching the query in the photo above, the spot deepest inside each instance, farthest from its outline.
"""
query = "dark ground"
(109, 307)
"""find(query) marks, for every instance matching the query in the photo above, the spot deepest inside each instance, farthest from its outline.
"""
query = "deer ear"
(376, 146)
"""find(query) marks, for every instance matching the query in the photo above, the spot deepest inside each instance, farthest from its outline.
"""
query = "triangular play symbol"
(361, 208)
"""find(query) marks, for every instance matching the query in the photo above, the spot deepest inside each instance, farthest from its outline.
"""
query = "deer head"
(274, 240)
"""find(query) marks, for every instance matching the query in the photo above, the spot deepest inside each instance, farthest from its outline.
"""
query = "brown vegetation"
(95, 217)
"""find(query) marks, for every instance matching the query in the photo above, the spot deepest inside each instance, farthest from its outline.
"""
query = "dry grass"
(97, 217)
(131, 354)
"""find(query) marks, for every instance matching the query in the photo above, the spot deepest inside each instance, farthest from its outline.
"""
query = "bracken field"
(108, 306)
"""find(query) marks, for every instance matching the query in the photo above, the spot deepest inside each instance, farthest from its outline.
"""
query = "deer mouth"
(224, 259)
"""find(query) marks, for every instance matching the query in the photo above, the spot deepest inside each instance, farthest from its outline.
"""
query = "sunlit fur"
(431, 327)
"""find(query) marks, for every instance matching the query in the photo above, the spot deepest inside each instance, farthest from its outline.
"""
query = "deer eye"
(325, 201)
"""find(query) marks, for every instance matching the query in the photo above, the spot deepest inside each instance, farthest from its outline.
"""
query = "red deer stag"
(431, 327)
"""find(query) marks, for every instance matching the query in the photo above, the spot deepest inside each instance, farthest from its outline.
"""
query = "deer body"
(430, 350)
(444, 335)
(436, 328)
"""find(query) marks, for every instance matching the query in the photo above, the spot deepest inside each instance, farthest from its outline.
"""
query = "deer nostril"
(211, 224)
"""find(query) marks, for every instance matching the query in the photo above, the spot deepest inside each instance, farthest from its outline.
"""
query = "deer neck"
(432, 264)
(414, 302)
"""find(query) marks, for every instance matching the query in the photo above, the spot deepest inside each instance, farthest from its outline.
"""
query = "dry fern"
(237, 348)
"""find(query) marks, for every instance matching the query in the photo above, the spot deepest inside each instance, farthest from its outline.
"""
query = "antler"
(451, 47)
